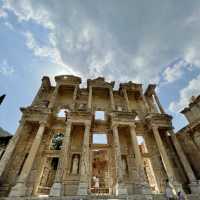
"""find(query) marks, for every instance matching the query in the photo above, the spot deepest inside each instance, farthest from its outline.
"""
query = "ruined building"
(71, 138)
(189, 136)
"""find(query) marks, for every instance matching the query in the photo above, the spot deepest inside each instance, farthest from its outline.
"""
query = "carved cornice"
(123, 116)
(159, 120)
(33, 113)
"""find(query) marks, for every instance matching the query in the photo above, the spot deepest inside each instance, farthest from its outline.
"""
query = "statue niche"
(75, 164)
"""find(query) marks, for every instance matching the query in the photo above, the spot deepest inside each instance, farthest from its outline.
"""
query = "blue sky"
(142, 41)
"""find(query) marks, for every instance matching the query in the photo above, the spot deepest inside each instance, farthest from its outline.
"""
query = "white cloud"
(175, 71)
(6, 69)
(3, 14)
(46, 51)
(9, 25)
(192, 89)
(114, 40)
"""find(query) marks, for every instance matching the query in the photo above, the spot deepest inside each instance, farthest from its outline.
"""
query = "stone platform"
(130, 197)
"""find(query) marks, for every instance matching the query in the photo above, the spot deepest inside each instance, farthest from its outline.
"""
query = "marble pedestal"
(56, 190)
(82, 188)
(19, 190)
(195, 187)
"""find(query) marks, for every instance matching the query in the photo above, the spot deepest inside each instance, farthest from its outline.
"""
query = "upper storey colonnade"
(98, 95)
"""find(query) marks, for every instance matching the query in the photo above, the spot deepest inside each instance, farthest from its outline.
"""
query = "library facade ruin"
(76, 141)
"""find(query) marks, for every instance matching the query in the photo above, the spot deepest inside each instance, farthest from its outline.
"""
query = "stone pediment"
(68, 80)
(99, 82)
(130, 86)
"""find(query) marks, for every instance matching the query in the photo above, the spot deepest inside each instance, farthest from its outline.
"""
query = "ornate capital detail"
(114, 125)
(87, 123)
(43, 123)
(154, 126)
(68, 123)
(132, 125)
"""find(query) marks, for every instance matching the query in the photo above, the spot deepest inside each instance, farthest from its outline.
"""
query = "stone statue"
(124, 166)
(75, 164)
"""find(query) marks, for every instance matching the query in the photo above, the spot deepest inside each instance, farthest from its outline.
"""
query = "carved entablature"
(68, 80)
(161, 120)
(150, 90)
(79, 116)
(130, 86)
(34, 113)
(100, 82)
(123, 116)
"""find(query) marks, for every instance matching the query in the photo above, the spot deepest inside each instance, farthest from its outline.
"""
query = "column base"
(82, 188)
(56, 190)
(121, 189)
(195, 187)
(19, 190)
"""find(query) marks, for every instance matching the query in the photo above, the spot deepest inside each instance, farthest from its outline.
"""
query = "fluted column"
(57, 187)
(158, 103)
(11, 147)
(120, 188)
(54, 96)
(184, 160)
(126, 98)
(19, 189)
(84, 168)
(90, 98)
(112, 99)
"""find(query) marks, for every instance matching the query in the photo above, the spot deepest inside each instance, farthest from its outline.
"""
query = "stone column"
(126, 98)
(120, 187)
(163, 152)
(11, 147)
(166, 161)
(90, 98)
(194, 183)
(54, 96)
(84, 168)
(184, 160)
(145, 103)
(57, 188)
(19, 189)
(112, 99)
(74, 96)
(158, 103)
(138, 157)
(139, 160)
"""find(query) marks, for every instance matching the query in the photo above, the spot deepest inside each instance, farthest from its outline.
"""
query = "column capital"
(43, 123)
(87, 123)
(154, 126)
(132, 125)
(114, 125)
(68, 122)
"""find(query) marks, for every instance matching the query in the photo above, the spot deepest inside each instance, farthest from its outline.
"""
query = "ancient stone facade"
(4, 140)
(56, 151)
(189, 137)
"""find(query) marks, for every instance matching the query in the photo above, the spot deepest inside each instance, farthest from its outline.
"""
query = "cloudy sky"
(142, 41)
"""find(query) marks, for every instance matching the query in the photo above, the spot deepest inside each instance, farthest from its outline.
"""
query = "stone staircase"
(101, 197)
